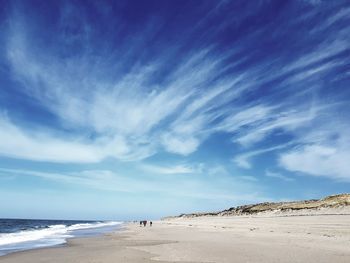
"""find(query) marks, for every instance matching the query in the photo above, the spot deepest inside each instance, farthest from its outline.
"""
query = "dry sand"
(312, 238)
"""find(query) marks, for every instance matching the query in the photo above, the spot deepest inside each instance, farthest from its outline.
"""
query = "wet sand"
(313, 238)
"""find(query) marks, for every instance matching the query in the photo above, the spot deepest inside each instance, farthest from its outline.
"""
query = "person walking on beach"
(150, 223)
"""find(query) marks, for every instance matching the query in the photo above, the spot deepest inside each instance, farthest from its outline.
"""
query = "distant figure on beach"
(150, 223)
(144, 223)
(140, 223)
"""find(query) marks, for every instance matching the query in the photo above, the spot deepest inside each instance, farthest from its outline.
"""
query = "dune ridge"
(328, 204)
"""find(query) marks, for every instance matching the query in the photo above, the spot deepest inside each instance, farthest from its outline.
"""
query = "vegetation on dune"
(333, 201)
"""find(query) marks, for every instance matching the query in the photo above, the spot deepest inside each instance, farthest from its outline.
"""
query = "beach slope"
(298, 234)
(319, 238)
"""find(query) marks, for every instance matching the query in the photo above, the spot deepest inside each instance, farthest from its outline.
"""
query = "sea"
(23, 234)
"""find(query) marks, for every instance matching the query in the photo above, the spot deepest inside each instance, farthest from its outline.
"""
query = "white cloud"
(244, 160)
(96, 179)
(323, 150)
(143, 115)
(323, 51)
(287, 121)
(248, 178)
(278, 176)
(176, 169)
(45, 146)
(178, 144)
(224, 188)
(131, 115)
(319, 160)
(249, 116)
(342, 14)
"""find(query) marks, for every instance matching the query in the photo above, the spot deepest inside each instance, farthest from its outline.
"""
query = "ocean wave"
(52, 235)
(94, 225)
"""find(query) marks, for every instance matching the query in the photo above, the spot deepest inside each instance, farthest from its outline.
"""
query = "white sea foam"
(95, 225)
(53, 235)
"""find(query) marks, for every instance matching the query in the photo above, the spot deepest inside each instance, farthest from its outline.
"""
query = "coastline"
(314, 238)
(103, 248)
(35, 234)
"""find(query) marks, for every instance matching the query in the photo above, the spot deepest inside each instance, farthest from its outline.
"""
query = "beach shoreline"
(25, 234)
(314, 238)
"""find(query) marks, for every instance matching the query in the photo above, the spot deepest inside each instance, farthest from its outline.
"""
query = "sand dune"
(334, 204)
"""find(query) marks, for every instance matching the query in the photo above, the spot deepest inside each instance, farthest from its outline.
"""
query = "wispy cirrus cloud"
(115, 101)
(44, 145)
(286, 121)
(318, 160)
(127, 108)
(319, 147)
(176, 108)
(224, 189)
(280, 176)
(245, 160)
(325, 152)
(174, 169)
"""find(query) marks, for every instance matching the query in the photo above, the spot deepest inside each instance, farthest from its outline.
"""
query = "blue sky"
(133, 109)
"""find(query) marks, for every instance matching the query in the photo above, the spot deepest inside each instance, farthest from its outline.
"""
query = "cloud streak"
(278, 176)
(112, 99)
(192, 187)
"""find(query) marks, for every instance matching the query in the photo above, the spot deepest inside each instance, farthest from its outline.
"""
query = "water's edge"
(53, 236)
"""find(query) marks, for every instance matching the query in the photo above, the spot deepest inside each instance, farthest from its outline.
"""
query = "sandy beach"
(302, 238)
